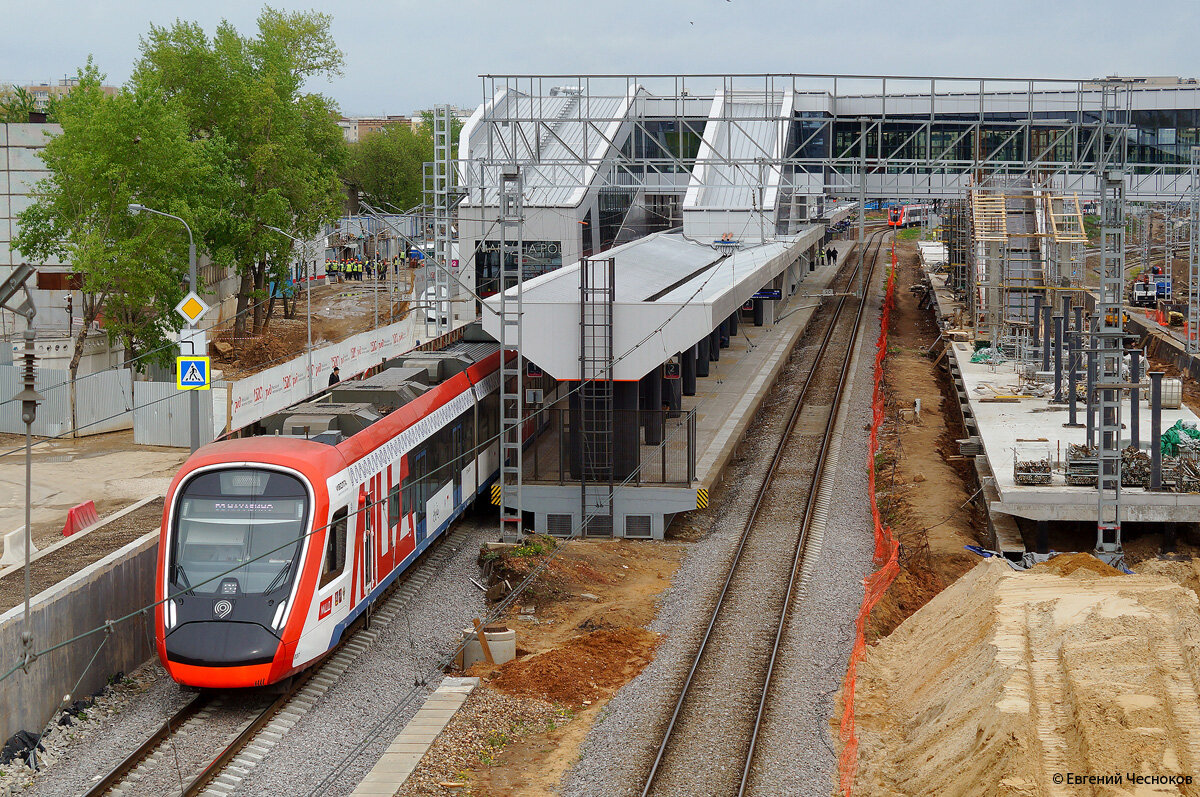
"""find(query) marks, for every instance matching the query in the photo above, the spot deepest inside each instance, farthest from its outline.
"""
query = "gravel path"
(621, 746)
(377, 681)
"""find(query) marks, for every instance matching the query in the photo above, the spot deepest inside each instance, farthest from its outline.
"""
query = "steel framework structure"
(919, 136)
(811, 135)
(512, 371)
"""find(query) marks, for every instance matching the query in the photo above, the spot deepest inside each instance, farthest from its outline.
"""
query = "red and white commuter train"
(908, 215)
(272, 545)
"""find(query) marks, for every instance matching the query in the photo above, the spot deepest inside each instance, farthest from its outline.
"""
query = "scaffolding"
(597, 431)
(512, 369)
(1193, 313)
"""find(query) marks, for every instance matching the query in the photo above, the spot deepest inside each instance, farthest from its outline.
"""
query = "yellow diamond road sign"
(192, 308)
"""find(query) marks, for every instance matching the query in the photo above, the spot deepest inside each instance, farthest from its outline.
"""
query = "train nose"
(221, 644)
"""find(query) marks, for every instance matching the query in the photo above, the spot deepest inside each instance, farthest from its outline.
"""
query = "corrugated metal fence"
(108, 401)
(161, 418)
(104, 402)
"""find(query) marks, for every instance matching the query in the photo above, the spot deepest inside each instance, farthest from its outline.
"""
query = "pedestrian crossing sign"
(191, 373)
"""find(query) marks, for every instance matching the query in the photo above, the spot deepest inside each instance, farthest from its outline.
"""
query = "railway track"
(709, 743)
(211, 743)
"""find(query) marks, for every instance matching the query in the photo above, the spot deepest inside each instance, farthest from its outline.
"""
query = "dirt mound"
(1076, 563)
(1006, 680)
(587, 668)
(1184, 573)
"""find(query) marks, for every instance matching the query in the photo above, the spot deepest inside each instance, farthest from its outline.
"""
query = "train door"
(420, 474)
(386, 541)
(457, 446)
(369, 543)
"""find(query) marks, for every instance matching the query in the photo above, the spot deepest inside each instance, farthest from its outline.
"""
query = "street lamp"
(307, 298)
(194, 399)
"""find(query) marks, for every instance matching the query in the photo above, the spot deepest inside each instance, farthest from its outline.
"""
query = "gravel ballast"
(379, 680)
(620, 748)
(367, 692)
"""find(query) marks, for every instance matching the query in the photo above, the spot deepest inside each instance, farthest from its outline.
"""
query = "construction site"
(771, 434)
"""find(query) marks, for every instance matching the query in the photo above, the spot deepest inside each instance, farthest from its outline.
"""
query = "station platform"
(1030, 428)
(698, 443)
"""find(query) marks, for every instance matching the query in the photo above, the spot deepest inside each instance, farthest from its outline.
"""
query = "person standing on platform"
(333, 377)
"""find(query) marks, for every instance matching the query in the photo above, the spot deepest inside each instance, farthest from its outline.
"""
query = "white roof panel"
(669, 292)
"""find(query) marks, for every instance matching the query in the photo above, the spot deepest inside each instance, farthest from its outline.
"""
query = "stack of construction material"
(1081, 465)
(1187, 475)
(1180, 438)
(1135, 467)
(989, 355)
(1031, 471)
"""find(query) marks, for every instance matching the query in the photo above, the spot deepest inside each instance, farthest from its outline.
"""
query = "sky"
(402, 56)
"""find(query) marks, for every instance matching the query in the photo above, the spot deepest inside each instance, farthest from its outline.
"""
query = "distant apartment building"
(43, 92)
(355, 127)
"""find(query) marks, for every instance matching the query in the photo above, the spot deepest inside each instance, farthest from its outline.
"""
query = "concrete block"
(4, 135)
(25, 159)
(19, 201)
(117, 585)
(411, 748)
(31, 135)
(14, 548)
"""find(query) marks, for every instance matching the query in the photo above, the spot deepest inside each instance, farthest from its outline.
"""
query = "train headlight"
(170, 614)
(279, 615)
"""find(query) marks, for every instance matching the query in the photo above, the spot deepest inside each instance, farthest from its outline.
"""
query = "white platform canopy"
(670, 292)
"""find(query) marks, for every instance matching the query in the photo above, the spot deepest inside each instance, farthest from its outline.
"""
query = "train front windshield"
(238, 532)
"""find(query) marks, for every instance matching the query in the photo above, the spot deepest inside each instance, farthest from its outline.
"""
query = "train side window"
(394, 506)
(335, 548)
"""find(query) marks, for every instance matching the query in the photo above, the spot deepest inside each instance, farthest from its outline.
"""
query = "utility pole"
(29, 399)
(194, 335)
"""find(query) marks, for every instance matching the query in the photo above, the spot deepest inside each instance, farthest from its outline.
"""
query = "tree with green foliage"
(282, 147)
(389, 166)
(16, 106)
(113, 150)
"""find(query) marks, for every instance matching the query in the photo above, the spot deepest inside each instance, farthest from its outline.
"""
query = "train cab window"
(394, 506)
(238, 531)
(335, 548)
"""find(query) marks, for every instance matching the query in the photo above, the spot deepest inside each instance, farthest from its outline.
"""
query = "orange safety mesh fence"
(886, 552)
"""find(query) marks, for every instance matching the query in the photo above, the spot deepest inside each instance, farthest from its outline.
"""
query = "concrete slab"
(1032, 427)
(407, 749)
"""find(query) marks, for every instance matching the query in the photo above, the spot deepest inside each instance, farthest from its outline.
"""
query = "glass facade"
(540, 257)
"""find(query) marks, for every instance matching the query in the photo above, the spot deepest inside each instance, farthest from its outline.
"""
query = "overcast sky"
(402, 55)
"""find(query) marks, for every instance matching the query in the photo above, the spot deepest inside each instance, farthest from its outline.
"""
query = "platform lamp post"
(307, 298)
(29, 399)
(193, 333)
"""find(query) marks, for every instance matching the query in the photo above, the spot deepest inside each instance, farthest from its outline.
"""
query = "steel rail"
(130, 762)
(239, 742)
(818, 480)
(764, 487)
(250, 730)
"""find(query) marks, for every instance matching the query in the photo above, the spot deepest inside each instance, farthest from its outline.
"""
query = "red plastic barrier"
(80, 517)
(886, 553)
